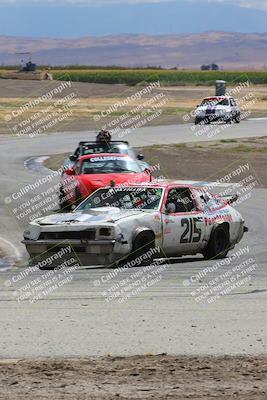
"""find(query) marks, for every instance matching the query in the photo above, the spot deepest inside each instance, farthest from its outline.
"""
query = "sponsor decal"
(218, 218)
(97, 159)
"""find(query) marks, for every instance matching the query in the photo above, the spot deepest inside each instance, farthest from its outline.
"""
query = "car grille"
(210, 112)
(89, 235)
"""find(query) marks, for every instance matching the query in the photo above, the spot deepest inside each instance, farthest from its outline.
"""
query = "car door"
(183, 223)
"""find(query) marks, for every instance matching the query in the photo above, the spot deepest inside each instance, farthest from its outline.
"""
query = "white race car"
(218, 108)
(118, 223)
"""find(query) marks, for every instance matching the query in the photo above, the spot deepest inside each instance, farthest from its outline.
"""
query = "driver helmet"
(103, 136)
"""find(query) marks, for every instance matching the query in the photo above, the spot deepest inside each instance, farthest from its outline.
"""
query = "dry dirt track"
(76, 320)
(159, 377)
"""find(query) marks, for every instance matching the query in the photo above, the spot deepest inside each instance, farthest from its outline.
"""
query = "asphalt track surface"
(81, 318)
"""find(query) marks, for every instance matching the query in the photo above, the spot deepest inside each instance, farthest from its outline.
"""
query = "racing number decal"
(191, 234)
(184, 237)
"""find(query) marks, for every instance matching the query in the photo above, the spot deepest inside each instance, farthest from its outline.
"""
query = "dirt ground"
(212, 160)
(159, 377)
(93, 99)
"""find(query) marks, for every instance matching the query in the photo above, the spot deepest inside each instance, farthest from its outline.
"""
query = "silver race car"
(217, 108)
(118, 223)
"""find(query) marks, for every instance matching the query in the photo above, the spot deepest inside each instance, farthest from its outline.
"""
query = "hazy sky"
(75, 18)
(259, 4)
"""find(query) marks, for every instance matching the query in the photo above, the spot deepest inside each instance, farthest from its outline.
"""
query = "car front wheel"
(143, 250)
(198, 121)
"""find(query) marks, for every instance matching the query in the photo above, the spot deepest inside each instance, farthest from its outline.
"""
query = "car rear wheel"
(237, 119)
(218, 245)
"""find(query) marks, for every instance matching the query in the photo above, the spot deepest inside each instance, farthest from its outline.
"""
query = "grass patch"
(166, 77)
(228, 141)
(248, 149)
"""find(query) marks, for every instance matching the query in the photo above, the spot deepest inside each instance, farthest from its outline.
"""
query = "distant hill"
(229, 50)
(79, 18)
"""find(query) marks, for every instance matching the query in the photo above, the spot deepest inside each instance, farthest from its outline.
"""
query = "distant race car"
(217, 108)
(94, 171)
(96, 147)
(163, 219)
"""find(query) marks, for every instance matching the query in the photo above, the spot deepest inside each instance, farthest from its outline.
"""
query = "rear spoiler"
(230, 199)
(109, 141)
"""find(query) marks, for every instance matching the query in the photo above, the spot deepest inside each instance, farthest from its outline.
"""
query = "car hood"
(100, 180)
(94, 216)
(217, 108)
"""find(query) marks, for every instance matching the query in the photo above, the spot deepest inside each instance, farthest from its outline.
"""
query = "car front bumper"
(86, 253)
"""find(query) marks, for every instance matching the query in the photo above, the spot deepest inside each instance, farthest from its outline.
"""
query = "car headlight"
(105, 232)
(32, 232)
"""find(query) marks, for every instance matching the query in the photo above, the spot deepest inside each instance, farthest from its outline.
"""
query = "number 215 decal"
(191, 234)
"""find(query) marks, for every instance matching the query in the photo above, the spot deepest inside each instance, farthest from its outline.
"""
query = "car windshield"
(126, 198)
(215, 102)
(98, 148)
(105, 165)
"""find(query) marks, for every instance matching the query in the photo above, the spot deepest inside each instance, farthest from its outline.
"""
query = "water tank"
(221, 88)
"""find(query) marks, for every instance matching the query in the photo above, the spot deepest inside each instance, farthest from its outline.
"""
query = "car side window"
(180, 200)
(209, 202)
(77, 152)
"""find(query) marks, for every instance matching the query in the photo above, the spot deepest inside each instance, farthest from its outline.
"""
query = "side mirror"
(72, 157)
(70, 172)
(140, 157)
(148, 172)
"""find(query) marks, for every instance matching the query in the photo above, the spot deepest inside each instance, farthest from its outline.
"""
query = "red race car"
(94, 171)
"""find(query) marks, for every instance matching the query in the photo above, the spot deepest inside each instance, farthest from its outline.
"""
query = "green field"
(166, 77)
(120, 75)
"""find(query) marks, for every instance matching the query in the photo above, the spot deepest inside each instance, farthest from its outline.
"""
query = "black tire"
(143, 243)
(63, 202)
(219, 244)
(198, 121)
(237, 119)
